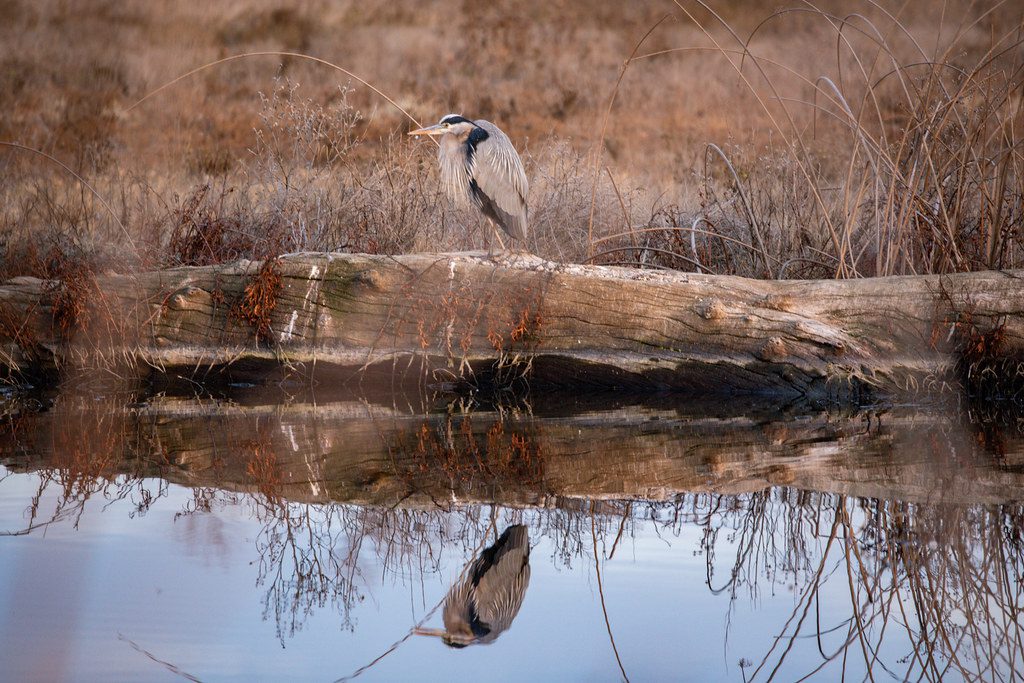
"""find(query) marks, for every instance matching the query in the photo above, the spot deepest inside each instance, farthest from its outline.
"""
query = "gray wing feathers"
(499, 175)
(500, 591)
(504, 595)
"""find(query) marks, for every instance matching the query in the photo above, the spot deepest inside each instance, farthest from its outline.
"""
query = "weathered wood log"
(449, 318)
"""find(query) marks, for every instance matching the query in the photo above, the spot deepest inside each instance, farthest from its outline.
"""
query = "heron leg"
(490, 251)
(497, 234)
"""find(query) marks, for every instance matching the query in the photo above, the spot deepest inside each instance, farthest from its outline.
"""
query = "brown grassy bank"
(816, 141)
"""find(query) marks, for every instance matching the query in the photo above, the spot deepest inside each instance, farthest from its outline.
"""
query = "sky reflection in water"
(259, 542)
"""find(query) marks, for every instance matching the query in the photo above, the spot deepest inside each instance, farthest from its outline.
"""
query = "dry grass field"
(830, 139)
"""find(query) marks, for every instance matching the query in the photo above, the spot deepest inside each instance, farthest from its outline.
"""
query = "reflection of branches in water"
(467, 458)
(948, 580)
(172, 668)
(568, 529)
(768, 546)
(965, 579)
(86, 453)
(604, 606)
(303, 561)
(303, 564)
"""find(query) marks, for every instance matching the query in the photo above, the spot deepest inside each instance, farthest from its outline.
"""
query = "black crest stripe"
(455, 118)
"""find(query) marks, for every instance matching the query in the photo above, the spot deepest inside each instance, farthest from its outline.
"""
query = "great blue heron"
(482, 605)
(479, 163)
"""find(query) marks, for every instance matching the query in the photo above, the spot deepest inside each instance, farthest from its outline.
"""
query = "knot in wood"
(370, 278)
(186, 297)
(772, 349)
(710, 309)
(778, 302)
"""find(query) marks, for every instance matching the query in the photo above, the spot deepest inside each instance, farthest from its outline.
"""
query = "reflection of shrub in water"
(946, 579)
(468, 458)
(90, 453)
(303, 564)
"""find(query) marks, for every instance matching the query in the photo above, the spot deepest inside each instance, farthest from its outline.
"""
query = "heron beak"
(430, 632)
(436, 129)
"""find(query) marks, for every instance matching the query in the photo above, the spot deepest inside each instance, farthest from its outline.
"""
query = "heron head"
(452, 124)
(457, 642)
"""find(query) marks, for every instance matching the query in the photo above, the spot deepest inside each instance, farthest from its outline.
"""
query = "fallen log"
(466, 319)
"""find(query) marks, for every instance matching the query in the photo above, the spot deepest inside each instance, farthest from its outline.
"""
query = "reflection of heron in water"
(482, 606)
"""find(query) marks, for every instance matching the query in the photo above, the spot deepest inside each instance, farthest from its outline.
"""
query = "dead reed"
(894, 159)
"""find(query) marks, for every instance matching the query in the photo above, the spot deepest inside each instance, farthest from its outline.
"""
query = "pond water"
(263, 536)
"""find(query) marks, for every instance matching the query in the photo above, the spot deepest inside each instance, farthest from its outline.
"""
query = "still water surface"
(257, 538)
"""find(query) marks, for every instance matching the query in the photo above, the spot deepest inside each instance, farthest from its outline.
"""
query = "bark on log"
(439, 318)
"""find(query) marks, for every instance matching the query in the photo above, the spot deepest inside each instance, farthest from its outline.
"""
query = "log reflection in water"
(922, 528)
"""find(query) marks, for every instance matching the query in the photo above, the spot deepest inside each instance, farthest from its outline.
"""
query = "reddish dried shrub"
(260, 299)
